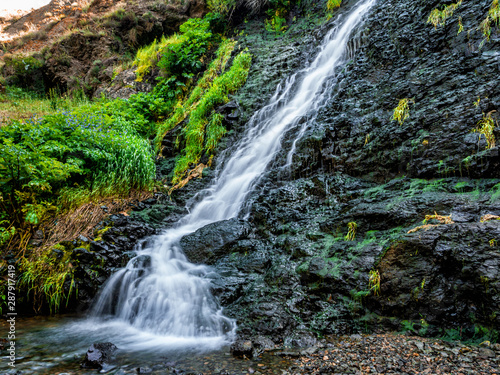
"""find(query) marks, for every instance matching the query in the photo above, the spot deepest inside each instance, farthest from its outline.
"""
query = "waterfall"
(160, 292)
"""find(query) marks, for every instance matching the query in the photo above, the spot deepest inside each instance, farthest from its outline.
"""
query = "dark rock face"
(444, 73)
(357, 165)
(214, 240)
(99, 355)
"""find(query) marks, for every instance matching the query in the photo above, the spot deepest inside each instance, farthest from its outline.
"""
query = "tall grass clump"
(439, 17)
(402, 111)
(48, 276)
(492, 17)
(486, 126)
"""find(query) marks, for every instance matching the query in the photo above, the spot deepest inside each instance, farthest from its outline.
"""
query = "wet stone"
(98, 355)
(242, 348)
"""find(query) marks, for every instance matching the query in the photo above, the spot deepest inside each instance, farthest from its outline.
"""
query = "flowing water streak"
(160, 292)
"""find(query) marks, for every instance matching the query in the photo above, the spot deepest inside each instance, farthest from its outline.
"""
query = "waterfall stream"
(160, 293)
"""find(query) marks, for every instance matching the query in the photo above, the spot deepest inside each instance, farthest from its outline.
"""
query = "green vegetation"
(18, 104)
(351, 232)
(333, 4)
(43, 159)
(374, 282)
(492, 17)
(402, 111)
(486, 126)
(147, 56)
(45, 274)
(202, 115)
(439, 17)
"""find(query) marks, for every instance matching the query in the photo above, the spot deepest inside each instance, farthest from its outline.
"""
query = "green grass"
(439, 17)
(17, 104)
(44, 275)
(203, 114)
(402, 111)
(486, 127)
(147, 57)
(492, 17)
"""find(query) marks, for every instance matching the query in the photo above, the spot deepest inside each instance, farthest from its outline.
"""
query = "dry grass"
(442, 220)
(82, 220)
(489, 217)
(194, 173)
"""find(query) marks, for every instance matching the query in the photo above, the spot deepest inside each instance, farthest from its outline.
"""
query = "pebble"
(389, 353)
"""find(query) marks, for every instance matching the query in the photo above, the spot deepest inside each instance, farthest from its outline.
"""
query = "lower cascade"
(160, 293)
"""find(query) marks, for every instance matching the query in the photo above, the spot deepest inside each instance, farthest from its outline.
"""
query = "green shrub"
(22, 65)
(184, 109)
(38, 157)
(147, 57)
(277, 13)
(184, 58)
(333, 4)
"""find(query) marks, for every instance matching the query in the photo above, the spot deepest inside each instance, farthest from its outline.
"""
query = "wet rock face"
(448, 273)
(443, 278)
(214, 240)
(442, 72)
(98, 355)
(312, 278)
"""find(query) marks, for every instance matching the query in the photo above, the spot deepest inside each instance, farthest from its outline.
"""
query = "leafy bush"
(333, 4)
(184, 109)
(147, 57)
(26, 71)
(184, 56)
(38, 157)
(277, 12)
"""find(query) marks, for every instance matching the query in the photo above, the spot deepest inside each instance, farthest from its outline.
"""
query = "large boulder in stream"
(214, 240)
(99, 355)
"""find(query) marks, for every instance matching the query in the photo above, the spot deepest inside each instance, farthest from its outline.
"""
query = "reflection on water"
(57, 345)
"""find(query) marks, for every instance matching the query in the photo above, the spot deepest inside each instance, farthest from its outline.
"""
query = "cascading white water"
(160, 291)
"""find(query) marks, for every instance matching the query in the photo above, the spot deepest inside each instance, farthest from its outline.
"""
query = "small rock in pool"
(241, 348)
(98, 354)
